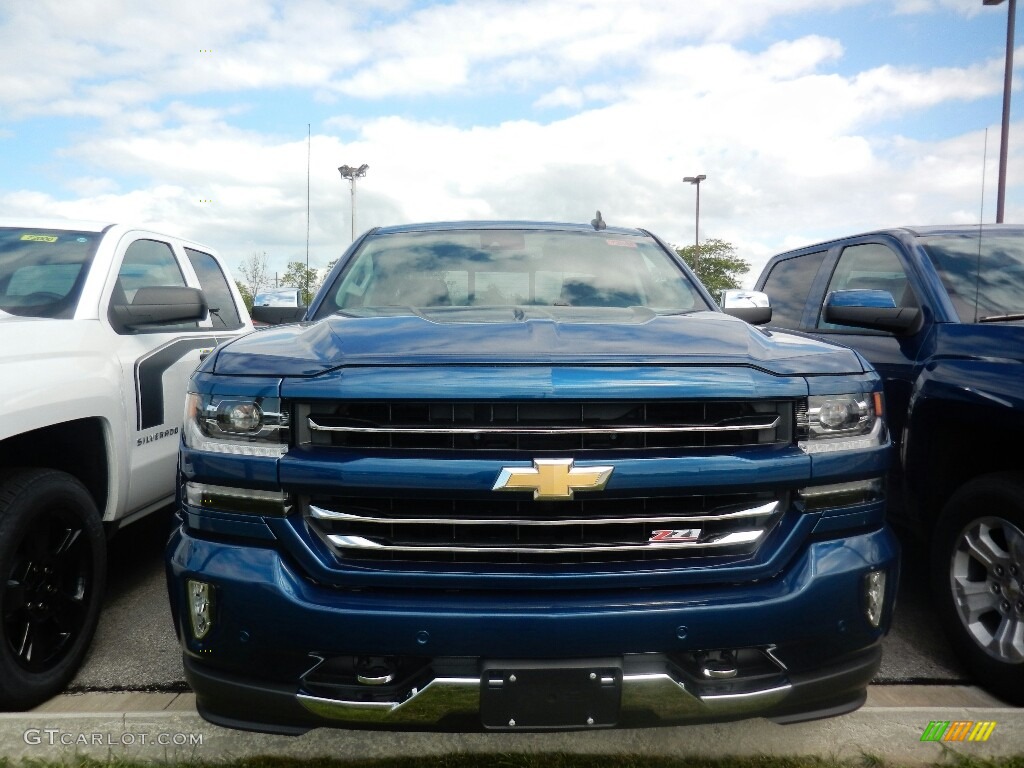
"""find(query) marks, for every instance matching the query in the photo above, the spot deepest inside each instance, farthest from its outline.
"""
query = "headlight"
(244, 426)
(841, 422)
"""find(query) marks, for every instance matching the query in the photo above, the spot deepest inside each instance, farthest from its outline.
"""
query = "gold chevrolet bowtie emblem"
(553, 479)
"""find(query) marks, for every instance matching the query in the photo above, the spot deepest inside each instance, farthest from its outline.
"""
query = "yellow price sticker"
(40, 238)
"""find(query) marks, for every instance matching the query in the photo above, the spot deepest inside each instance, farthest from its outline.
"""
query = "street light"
(696, 180)
(350, 173)
(1004, 135)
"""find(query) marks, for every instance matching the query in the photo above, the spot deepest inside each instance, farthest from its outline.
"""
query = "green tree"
(307, 280)
(255, 275)
(718, 266)
(247, 296)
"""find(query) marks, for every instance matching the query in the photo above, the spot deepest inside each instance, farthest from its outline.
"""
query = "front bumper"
(803, 646)
(644, 698)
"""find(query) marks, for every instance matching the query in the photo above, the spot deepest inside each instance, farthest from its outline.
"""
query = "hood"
(627, 337)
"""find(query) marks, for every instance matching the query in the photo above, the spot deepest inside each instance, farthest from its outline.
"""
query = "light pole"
(696, 180)
(1004, 134)
(350, 173)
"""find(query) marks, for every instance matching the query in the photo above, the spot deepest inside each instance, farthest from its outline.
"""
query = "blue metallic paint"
(287, 616)
(281, 595)
(313, 349)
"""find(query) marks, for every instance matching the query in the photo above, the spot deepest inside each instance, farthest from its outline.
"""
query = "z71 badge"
(683, 534)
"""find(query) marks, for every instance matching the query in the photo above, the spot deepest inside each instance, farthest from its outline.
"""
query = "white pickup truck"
(100, 327)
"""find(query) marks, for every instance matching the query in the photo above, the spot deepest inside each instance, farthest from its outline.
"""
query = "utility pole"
(1004, 134)
(696, 180)
(350, 173)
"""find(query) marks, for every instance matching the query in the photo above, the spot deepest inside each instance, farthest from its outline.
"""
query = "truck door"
(877, 266)
(156, 362)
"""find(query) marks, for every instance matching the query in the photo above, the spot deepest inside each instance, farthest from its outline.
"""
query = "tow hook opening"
(729, 670)
(367, 678)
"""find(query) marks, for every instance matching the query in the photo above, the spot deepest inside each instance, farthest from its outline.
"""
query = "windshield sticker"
(40, 238)
(621, 243)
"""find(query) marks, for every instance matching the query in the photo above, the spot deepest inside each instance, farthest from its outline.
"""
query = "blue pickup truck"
(939, 311)
(527, 476)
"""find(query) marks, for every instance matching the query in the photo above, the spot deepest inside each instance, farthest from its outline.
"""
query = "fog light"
(874, 597)
(817, 497)
(248, 500)
(200, 599)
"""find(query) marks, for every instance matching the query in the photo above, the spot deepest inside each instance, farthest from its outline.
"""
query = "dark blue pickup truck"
(520, 476)
(939, 311)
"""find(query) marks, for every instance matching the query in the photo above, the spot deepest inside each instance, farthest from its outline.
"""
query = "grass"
(556, 760)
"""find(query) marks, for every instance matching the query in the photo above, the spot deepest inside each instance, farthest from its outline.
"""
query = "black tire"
(52, 575)
(977, 575)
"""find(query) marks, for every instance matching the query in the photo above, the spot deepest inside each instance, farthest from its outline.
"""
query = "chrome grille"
(524, 531)
(544, 425)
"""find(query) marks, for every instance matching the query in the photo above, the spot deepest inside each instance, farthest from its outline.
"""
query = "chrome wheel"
(986, 573)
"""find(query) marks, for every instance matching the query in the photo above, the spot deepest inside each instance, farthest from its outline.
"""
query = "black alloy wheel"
(52, 560)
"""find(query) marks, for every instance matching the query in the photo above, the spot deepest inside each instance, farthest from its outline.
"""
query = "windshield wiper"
(1001, 318)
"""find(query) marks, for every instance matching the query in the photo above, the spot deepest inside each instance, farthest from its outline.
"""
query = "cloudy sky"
(810, 118)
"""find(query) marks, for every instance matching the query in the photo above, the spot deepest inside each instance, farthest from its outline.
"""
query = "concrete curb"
(166, 727)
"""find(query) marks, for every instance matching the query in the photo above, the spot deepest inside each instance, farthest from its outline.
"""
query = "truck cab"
(101, 326)
(939, 312)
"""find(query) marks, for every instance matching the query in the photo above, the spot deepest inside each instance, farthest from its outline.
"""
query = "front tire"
(53, 571)
(978, 580)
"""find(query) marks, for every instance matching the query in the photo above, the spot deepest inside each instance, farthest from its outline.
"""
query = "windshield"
(42, 270)
(993, 271)
(461, 274)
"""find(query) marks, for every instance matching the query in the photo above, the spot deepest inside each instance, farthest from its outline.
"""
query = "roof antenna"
(598, 223)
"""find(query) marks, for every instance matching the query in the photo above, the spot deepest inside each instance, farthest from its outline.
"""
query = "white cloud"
(90, 186)
(411, 75)
(561, 97)
(908, 7)
(628, 99)
(143, 49)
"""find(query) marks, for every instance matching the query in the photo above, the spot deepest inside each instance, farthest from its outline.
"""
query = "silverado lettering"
(157, 436)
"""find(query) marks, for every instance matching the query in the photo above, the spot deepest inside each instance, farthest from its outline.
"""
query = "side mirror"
(160, 305)
(752, 306)
(874, 310)
(277, 315)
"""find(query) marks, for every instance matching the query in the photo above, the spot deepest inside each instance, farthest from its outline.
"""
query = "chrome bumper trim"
(657, 694)
(759, 426)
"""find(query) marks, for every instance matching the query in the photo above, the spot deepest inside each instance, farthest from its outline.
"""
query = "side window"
(148, 263)
(870, 266)
(223, 312)
(788, 286)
